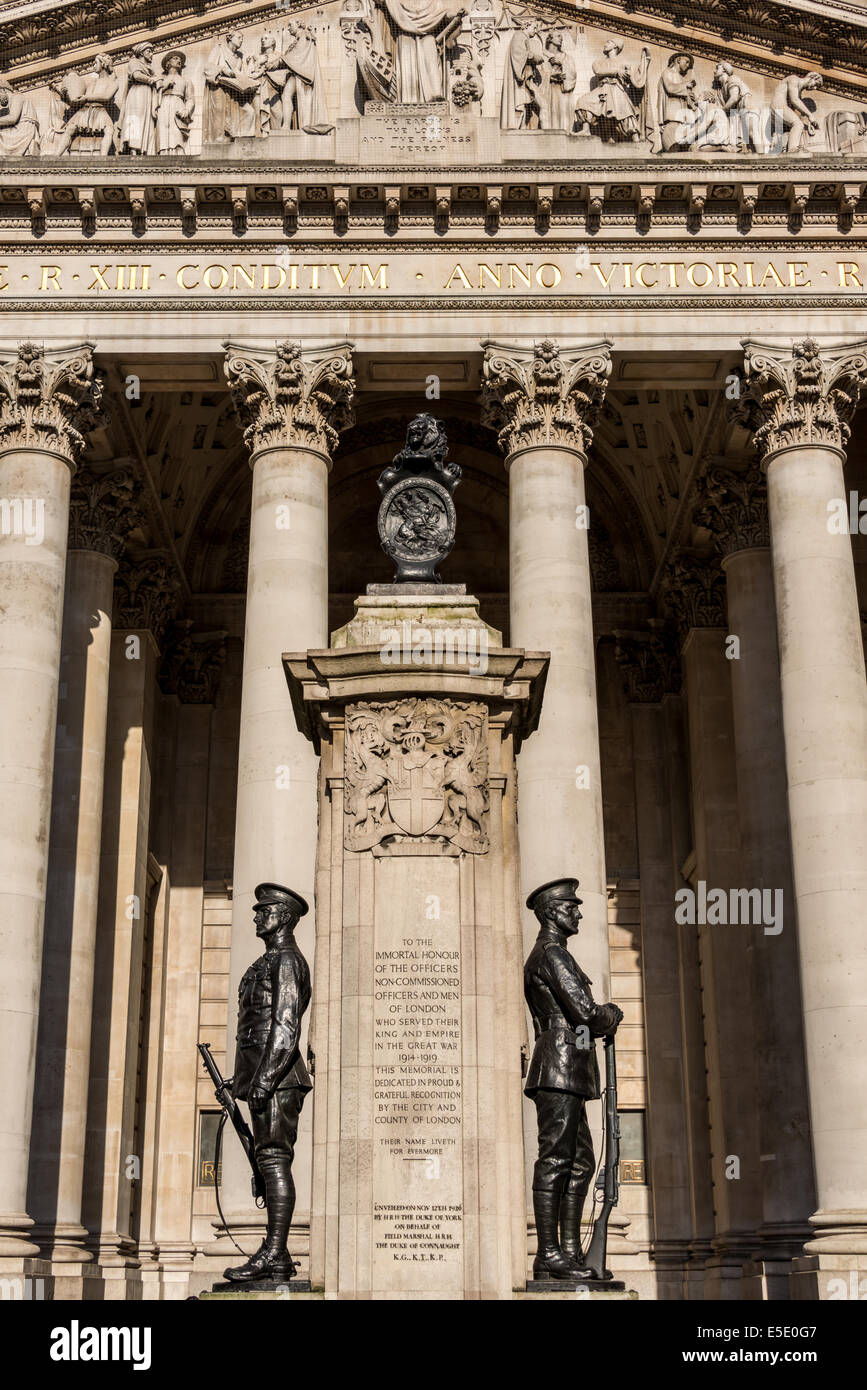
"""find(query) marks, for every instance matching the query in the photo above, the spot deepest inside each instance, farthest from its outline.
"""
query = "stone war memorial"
(433, 586)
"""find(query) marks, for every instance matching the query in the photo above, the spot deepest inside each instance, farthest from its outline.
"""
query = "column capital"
(805, 395)
(544, 395)
(695, 591)
(289, 397)
(103, 509)
(49, 399)
(145, 594)
(650, 663)
(733, 506)
(193, 663)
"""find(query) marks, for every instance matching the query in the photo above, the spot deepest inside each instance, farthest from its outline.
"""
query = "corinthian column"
(733, 507)
(103, 510)
(291, 405)
(544, 401)
(805, 398)
(46, 400)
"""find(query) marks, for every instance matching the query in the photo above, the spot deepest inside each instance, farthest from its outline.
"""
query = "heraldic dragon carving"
(417, 769)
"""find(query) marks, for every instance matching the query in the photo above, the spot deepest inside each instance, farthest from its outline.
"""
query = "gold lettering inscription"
(342, 280)
(607, 283)
(495, 276)
(458, 272)
(98, 282)
(181, 280)
(380, 278)
(4, 283)
(849, 271)
(50, 273)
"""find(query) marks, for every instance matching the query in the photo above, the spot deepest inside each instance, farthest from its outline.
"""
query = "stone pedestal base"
(562, 1291)
(263, 1292)
(829, 1278)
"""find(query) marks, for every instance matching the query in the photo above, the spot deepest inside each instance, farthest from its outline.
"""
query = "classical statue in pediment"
(232, 82)
(138, 109)
(19, 124)
(176, 105)
(88, 106)
(400, 47)
(616, 106)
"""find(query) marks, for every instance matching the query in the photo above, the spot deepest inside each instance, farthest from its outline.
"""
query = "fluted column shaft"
(43, 398)
(806, 402)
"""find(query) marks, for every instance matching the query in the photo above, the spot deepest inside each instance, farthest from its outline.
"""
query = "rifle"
(607, 1178)
(231, 1112)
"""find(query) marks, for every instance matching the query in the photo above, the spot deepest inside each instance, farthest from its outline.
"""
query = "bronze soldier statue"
(563, 1076)
(269, 1072)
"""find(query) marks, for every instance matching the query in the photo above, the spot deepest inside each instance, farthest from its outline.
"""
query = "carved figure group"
(259, 94)
(422, 53)
(144, 113)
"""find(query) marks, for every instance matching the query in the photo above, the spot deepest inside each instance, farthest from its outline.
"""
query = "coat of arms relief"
(417, 770)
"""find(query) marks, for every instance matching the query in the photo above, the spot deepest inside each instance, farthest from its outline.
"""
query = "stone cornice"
(49, 399)
(802, 395)
(103, 509)
(544, 395)
(733, 507)
(291, 398)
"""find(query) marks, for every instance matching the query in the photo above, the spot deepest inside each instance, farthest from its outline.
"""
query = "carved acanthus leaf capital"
(291, 398)
(807, 396)
(695, 591)
(49, 399)
(650, 663)
(193, 663)
(733, 507)
(544, 395)
(103, 510)
(145, 595)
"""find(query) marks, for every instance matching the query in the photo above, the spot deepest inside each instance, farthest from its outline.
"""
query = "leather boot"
(571, 1207)
(272, 1260)
(550, 1261)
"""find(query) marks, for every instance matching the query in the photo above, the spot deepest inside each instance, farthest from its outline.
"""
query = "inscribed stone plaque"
(417, 1151)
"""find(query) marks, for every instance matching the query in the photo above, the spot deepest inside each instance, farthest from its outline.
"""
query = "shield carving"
(415, 795)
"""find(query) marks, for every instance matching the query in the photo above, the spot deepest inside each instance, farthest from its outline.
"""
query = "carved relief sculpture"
(137, 128)
(177, 105)
(19, 124)
(791, 117)
(417, 519)
(303, 95)
(560, 86)
(523, 104)
(616, 107)
(91, 103)
(231, 90)
(417, 769)
(677, 104)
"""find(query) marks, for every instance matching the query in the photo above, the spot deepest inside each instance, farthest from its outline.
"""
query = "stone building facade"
(620, 251)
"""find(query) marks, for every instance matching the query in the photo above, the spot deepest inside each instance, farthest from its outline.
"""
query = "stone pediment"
(425, 81)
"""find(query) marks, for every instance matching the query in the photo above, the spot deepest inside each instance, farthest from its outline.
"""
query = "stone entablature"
(407, 82)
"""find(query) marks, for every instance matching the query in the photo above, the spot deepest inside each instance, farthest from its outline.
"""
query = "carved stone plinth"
(417, 1014)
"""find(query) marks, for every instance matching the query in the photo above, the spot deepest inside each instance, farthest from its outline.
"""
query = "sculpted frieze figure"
(562, 76)
(417, 769)
(231, 91)
(846, 131)
(400, 47)
(523, 105)
(616, 107)
(19, 124)
(177, 105)
(677, 103)
(791, 117)
(91, 105)
(138, 111)
(734, 101)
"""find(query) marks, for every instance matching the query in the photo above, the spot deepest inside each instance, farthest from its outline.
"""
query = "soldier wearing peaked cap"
(563, 1076)
(269, 1071)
